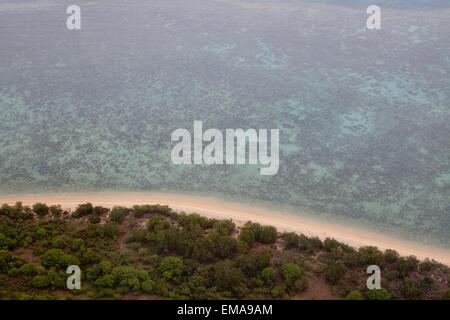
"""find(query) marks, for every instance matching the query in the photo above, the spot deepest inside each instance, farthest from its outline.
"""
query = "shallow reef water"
(364, 115)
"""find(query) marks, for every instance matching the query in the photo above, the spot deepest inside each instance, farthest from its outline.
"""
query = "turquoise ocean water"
(364, 116)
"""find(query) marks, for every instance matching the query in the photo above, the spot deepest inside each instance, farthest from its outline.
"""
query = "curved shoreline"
(240, 213)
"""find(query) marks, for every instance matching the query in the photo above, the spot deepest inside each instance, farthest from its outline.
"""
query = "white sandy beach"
(221, 209)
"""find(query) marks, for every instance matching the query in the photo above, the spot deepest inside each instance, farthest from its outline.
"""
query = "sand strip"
(221, 209)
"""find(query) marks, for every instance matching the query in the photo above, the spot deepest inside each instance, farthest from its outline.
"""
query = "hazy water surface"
(364, 116)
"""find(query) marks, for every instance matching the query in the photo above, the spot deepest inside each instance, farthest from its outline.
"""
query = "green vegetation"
(154, 252)
(118, 214)
(354, 295)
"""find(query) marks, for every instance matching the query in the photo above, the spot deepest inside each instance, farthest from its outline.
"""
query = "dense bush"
(139, 211)
(354, 295)
(291, 240)
(41, 209)
(8, 261)
(269, 275)
(182, 256)
(259, 233)
(56, 210)
(378, 294)
(291, 272)
(84, 210)
(334, 272)
(57, 258)
(405, 265)
(171, 267)
(111, 229)
(118, 214)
